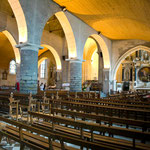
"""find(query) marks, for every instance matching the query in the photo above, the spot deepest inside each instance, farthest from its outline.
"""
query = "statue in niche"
(144, 74)
(127, 75)
(52, 75)
(146, 56)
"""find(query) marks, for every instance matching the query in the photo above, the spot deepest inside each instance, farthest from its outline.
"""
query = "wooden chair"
(45, 104)
(30, 106)
(13, 104)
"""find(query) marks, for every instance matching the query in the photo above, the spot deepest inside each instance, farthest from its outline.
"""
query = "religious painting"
(144, 74)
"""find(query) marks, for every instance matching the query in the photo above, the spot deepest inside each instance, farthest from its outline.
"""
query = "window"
(43, 69)
(12, 67)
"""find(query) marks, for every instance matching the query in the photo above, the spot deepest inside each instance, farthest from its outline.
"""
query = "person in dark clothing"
(44, 87)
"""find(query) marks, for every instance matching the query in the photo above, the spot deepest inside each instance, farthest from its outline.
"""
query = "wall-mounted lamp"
(64, 8)
(98, 32)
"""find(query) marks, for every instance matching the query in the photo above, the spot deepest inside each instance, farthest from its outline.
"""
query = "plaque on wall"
(144, 74)
(4, 75)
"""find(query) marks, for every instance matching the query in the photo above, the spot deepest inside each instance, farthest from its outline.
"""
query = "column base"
(27, 87)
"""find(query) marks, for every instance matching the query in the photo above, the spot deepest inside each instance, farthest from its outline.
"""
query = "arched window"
(43, 69)
(12, 67)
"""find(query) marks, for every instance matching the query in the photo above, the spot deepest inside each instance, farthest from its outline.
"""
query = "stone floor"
(12, 145)
(9, 145)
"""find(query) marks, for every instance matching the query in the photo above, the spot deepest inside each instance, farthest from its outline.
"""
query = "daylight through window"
(43, 69)
(12, 67)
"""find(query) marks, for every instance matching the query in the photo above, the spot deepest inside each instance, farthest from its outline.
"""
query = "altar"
(143, 89)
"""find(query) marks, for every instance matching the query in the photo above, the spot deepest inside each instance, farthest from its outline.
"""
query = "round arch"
(89, 70)
(56, 56)
(91, 48)
(91, 53)
(72, 51)
(20, 18)
(40, 61)
(104, 49)
(13, 43)
(129, 52)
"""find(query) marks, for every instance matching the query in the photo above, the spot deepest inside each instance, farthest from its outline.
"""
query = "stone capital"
(106, 69)
(29, 46)
(58, 70)
(75, 60)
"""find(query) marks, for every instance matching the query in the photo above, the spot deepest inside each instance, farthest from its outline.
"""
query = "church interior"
(75, 74)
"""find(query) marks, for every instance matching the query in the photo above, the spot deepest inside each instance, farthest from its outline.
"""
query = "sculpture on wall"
(144, 74)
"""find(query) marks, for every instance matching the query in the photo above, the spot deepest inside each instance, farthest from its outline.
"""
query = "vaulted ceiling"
(116, 19)
(6, 52)
(53, 25)
(5, 8)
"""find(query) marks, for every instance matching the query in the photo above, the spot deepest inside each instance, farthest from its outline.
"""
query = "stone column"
(75, 75)
(114, 85)
(28, 68)
(100, 68)
(106, 81)
(17, 72)
(133, 79)
(58, 79)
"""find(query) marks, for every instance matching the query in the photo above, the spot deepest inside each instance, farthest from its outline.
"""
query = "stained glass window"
(12, 67)
(43, 69)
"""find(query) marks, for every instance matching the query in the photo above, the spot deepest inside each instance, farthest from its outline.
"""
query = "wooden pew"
(112, 101)
(23, 134)
(4, 103)
(9, 105)
(144, 125)
(105, 110)
(109, 110)
(65, 94)
(108, 103)
(143, 136)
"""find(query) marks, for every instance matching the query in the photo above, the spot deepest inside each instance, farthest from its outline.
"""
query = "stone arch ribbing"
(20, 18)
(68, 34)
(104, 49)
(56, 56)
(40, 61)
(13, 43)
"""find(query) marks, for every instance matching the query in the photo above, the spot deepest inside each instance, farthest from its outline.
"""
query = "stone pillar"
(100, 68)
(28, 68)
(106, 81)
(114, 85)
(75, 75)
(58, 79)
(17, 72)
(133, 79)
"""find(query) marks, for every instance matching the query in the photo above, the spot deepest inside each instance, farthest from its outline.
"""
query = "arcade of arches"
(74, 50)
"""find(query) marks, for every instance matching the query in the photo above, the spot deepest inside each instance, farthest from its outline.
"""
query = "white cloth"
(41, 87)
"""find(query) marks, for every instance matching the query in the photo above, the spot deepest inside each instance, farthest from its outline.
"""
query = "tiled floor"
(11, 145)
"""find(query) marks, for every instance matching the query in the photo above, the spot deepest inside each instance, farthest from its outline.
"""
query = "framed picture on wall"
(4, 75)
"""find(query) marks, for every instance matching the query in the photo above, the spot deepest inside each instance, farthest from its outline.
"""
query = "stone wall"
(11, 79)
